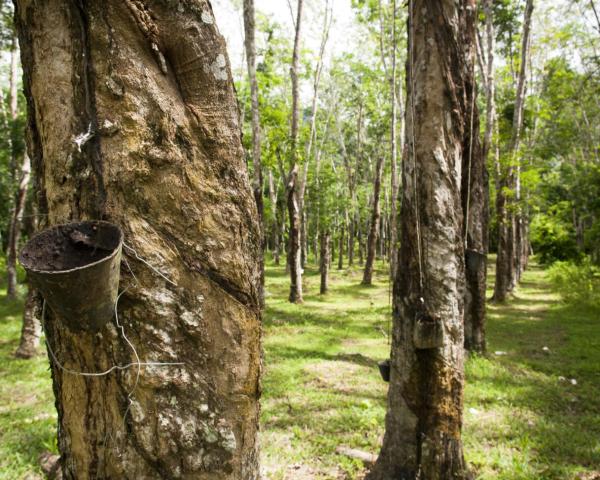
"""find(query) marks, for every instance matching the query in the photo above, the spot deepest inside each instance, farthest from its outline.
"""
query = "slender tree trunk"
(425, 398)
(341, 248)
(490, 75)
(504, 264)
(375, 218)
(303, 236)
(361, 259)
(324, 261)
(31, 329)
(14, 231)
(256, 159)
(132, 118)
(525, 247)
(275, 224)
(508, 261)
(294, 240)
(14, 97)
(476, 201)
(332, 256)
(475, 196)
(249, 44)
(293, 187)
(394, 154)
(351, 242)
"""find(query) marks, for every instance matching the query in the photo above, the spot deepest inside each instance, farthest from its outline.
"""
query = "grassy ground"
(27, 414)
(322, 389)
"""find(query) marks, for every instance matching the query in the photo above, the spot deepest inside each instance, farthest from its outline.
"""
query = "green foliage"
(578, 283)
(553, 239)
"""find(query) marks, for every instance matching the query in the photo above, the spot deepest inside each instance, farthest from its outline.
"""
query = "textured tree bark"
(294, 240)
(476, 207)
(31, 329)
(508, 261)
(293, 187)
(14, 230)
(132, 117)
(324, 261)
(425, 399)
(374, 230)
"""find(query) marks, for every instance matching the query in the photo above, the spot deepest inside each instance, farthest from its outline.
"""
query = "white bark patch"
(228, 443)
(81, 139)
(438, 154)
(207, 17)
(218, 67)
(191, 319)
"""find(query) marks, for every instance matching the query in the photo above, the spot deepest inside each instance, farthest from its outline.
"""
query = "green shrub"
(553, 239)
(578, 283)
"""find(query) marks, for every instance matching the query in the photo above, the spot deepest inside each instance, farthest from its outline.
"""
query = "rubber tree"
(293, 184)
(425, 398)
(132, 118)
(508, 261)
(22, 181)
(476, 204)
(374, 230)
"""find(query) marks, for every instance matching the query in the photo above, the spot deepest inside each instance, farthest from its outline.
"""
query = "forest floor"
(532, 404)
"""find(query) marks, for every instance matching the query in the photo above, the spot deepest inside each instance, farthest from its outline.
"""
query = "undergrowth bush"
(578, 283)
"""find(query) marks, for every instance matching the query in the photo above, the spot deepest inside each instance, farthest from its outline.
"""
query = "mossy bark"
(132, 118)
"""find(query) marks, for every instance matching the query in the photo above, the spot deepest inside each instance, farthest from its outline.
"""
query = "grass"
(27, 414)
(321, 387)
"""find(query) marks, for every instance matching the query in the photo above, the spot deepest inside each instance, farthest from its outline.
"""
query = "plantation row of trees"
(538, 134)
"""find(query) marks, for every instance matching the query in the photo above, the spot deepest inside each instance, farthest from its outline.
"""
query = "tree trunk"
(249, 45)
(351, 242)
(13, 98)
(508, 260)
(425, 398)
(293, 187)
(295, 251)
(275, 224)
(504, 264)
(475, 206)
(341, 248)
(374, 231)
(525, 247)
(393, 252)
(14, 231)
(31, 329)
(132, 118)
(324, 261)
(361, 259)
